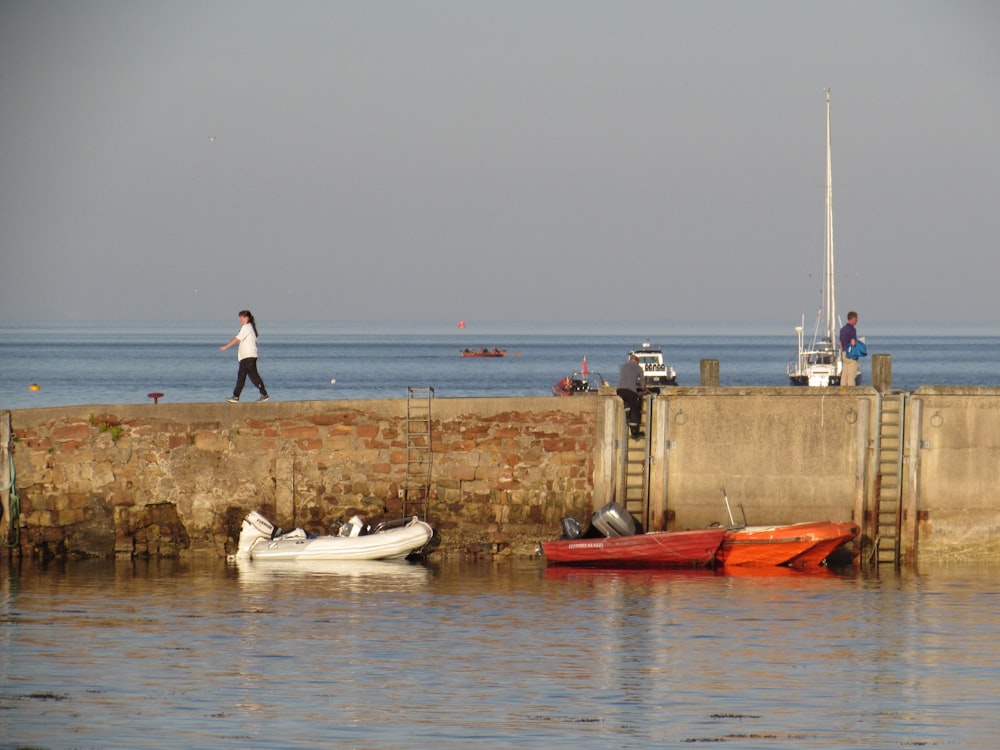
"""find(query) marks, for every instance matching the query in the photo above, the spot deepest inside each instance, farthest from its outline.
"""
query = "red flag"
(585, 370)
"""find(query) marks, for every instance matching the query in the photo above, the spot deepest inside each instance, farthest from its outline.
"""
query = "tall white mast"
(829, 301)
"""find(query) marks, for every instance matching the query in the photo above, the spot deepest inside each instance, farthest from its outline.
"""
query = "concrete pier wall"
(172, 479)
(952, 483)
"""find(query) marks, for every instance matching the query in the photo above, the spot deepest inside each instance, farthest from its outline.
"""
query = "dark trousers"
(633, 407)
(248, 369)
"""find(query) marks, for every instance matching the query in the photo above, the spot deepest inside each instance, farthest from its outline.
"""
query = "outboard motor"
(571, 529)
(614, 520)
(254, 527)
(354, 527)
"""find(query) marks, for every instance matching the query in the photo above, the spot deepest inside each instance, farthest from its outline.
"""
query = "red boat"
(657, 549)
(798, 545)
(579, 383)
(484, 352)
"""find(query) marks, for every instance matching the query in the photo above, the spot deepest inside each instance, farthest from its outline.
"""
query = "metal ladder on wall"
(633, 485)
(887, 498)
(416, 489)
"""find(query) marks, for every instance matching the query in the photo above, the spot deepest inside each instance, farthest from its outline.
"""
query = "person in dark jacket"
(848, 337)
(631, 383)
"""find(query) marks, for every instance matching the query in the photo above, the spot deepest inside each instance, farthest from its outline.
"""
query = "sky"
(536, 161)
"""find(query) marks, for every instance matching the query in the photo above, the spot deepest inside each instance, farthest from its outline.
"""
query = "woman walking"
(247, 355)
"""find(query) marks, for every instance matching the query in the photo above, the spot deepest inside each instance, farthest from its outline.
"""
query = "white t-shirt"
(248, 342)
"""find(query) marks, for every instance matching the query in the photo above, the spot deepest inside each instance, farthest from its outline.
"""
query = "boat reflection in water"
(690, 575)
(342, 575)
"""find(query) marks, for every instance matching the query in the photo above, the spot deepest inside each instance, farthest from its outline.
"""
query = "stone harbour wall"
(171, 480)
(168, 480)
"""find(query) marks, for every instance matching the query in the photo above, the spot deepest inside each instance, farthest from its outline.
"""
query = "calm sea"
(453, 654)
(120, 363)
(466, 654)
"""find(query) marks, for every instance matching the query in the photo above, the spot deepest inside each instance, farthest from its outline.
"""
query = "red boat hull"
(657, 549)
(799, 545)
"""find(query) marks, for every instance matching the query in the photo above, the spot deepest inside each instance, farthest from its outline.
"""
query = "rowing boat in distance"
(484, 352)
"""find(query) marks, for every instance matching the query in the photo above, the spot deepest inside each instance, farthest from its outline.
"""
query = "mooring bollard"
(709, 373)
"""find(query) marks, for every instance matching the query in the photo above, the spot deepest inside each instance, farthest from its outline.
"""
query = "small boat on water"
(484, 352)
(355, 540)
(622, 547)
(658, 375)
(797, 545)
(655, 549)
(579, 383)
(615, 541)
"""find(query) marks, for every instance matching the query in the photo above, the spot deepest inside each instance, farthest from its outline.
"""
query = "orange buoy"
(34, 387)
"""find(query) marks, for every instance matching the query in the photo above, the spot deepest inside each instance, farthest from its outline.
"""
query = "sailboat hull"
(817, 376)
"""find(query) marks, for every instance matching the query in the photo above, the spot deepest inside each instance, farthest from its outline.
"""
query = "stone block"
(462, 472)
(75, 432)
(216, 442)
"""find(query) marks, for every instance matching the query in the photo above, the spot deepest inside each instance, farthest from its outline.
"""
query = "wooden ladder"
(416, 489)
(633, 485)
(887, 515)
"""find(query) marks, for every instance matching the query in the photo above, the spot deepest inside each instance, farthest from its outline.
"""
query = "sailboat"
(819, 363)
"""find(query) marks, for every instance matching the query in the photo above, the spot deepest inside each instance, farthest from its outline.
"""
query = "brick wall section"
(168, 480)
